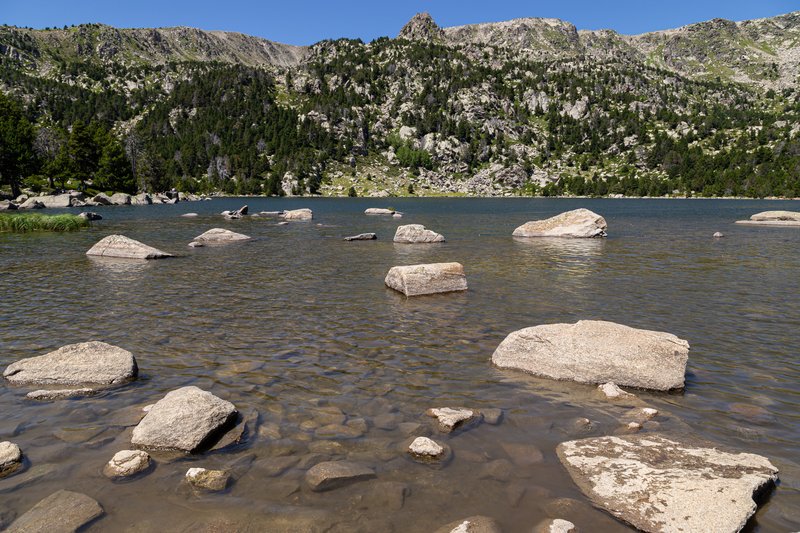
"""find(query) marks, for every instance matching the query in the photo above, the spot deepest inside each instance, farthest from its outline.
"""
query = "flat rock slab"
(61, 512)
(362, 237)
(473, 524)
(220, 236)
(594, 351)
(433, 278)
(60, 394)
(85, 363)
(578, 223)
(416, 234)
(298, 214)
(773, 218)
(659, 484)
(187, 419)
(10, 458)
(334, 474)
(126, 248)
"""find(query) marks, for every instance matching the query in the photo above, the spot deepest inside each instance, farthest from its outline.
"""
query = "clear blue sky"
(308, 21)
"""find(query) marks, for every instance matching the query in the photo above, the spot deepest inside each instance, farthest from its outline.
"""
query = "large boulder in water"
(658, 483)
(298, 214)
(220, 236)
(126, 248)
(594, 351)
(416, 234)
(416, 280)
(187, 419)
(85, 363)
(378, 211)
(61, 512)
(578, 223)
(773, 218)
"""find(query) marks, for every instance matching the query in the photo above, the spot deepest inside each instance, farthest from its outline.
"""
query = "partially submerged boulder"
(362, 237)
(187, 419)
(210, 480)
(10, 458)
(773, 218)
(416, 280)
(127, 463)
(578, 223)
(61, 512)
(220, 236)
(298, 214)
(595, 351)
(378, 211)
(123, 247)
(416, 234)
(238, 213)
(85, 363)
(334, 474)
(449, 418)
(658, 483)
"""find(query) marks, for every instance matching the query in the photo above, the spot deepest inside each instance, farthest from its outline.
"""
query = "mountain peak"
(421, 27)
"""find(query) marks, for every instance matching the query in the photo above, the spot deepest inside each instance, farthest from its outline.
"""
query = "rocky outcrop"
(593, 351)
(422, 28)
(334, 474)
(10, 458)
(219, 236)
(773, 218)
(362, 237)
(658, 483)
(417, 280)
(85, 363)
(473, 524)
(61, 512)
(210, 480)
(298, 214)
(188, 419)
(127, 463)
(579, 223)
(416, 234)
(121, 246)
(8, 205)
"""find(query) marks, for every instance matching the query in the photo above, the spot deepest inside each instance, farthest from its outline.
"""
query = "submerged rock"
(187, 419)
(61, 512)
(771, 218)
(612, 392)
(473, 524)
(127, 463)
(220, 236)
(334, 474)
(59, 394)
(212, 480)
(450, 419)
(378, 211)
(416, 234)
(95, 363)
(298, 214)
(362, 237)
(10, 458)
(416, 280)
(124, 247)
(656, 483)
(594, 351)
(89, 215)
(579, 223)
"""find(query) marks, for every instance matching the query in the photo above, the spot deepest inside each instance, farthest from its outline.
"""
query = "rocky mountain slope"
(528, 106)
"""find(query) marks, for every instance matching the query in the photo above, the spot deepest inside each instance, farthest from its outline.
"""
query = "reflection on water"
(298, 326)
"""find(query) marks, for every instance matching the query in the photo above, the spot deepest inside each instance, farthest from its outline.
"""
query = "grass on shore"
(26, 222)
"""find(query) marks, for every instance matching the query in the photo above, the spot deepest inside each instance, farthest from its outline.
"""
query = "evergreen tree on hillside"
(16, 144)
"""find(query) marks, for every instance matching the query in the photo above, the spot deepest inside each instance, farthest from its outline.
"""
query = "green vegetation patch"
(27, 222)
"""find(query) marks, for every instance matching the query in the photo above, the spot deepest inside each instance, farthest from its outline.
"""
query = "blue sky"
(306, 21)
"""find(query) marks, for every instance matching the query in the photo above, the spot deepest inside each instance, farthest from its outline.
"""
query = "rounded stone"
(127, 463)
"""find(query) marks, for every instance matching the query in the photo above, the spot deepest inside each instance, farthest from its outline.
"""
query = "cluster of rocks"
(79, 199)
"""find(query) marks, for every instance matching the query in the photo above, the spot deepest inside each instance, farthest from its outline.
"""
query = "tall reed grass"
(26, 222)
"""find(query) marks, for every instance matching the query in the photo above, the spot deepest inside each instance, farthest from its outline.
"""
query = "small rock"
(127, 463)
(556, 525)
(416, 234)
(189, 215)
(397, 215)
(613, 392)
(62, 511)
(195, 244)
(122, 247)
(10, 458)
(362, 237)
(284, 223)
(212, 480)
(333, 474)
(425, 448)
(523, 454)
(88, 215)
(473, 524)
(492, 416)
(449, 419)
(718, 235)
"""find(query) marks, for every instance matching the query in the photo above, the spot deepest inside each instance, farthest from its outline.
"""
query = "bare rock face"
(298, 214)
(416, 234)
(127, 463)
(61, 512)
(773, 218)
(220, 236)
(10, 458)
(594, 351)
(579, 223)
(122, 246)
(378, 211)
(85, 363)
(421, 27)
(334, 474)
(416, 280)
(211, 480)
(656, 483)
(187, 419)
(473, 524)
